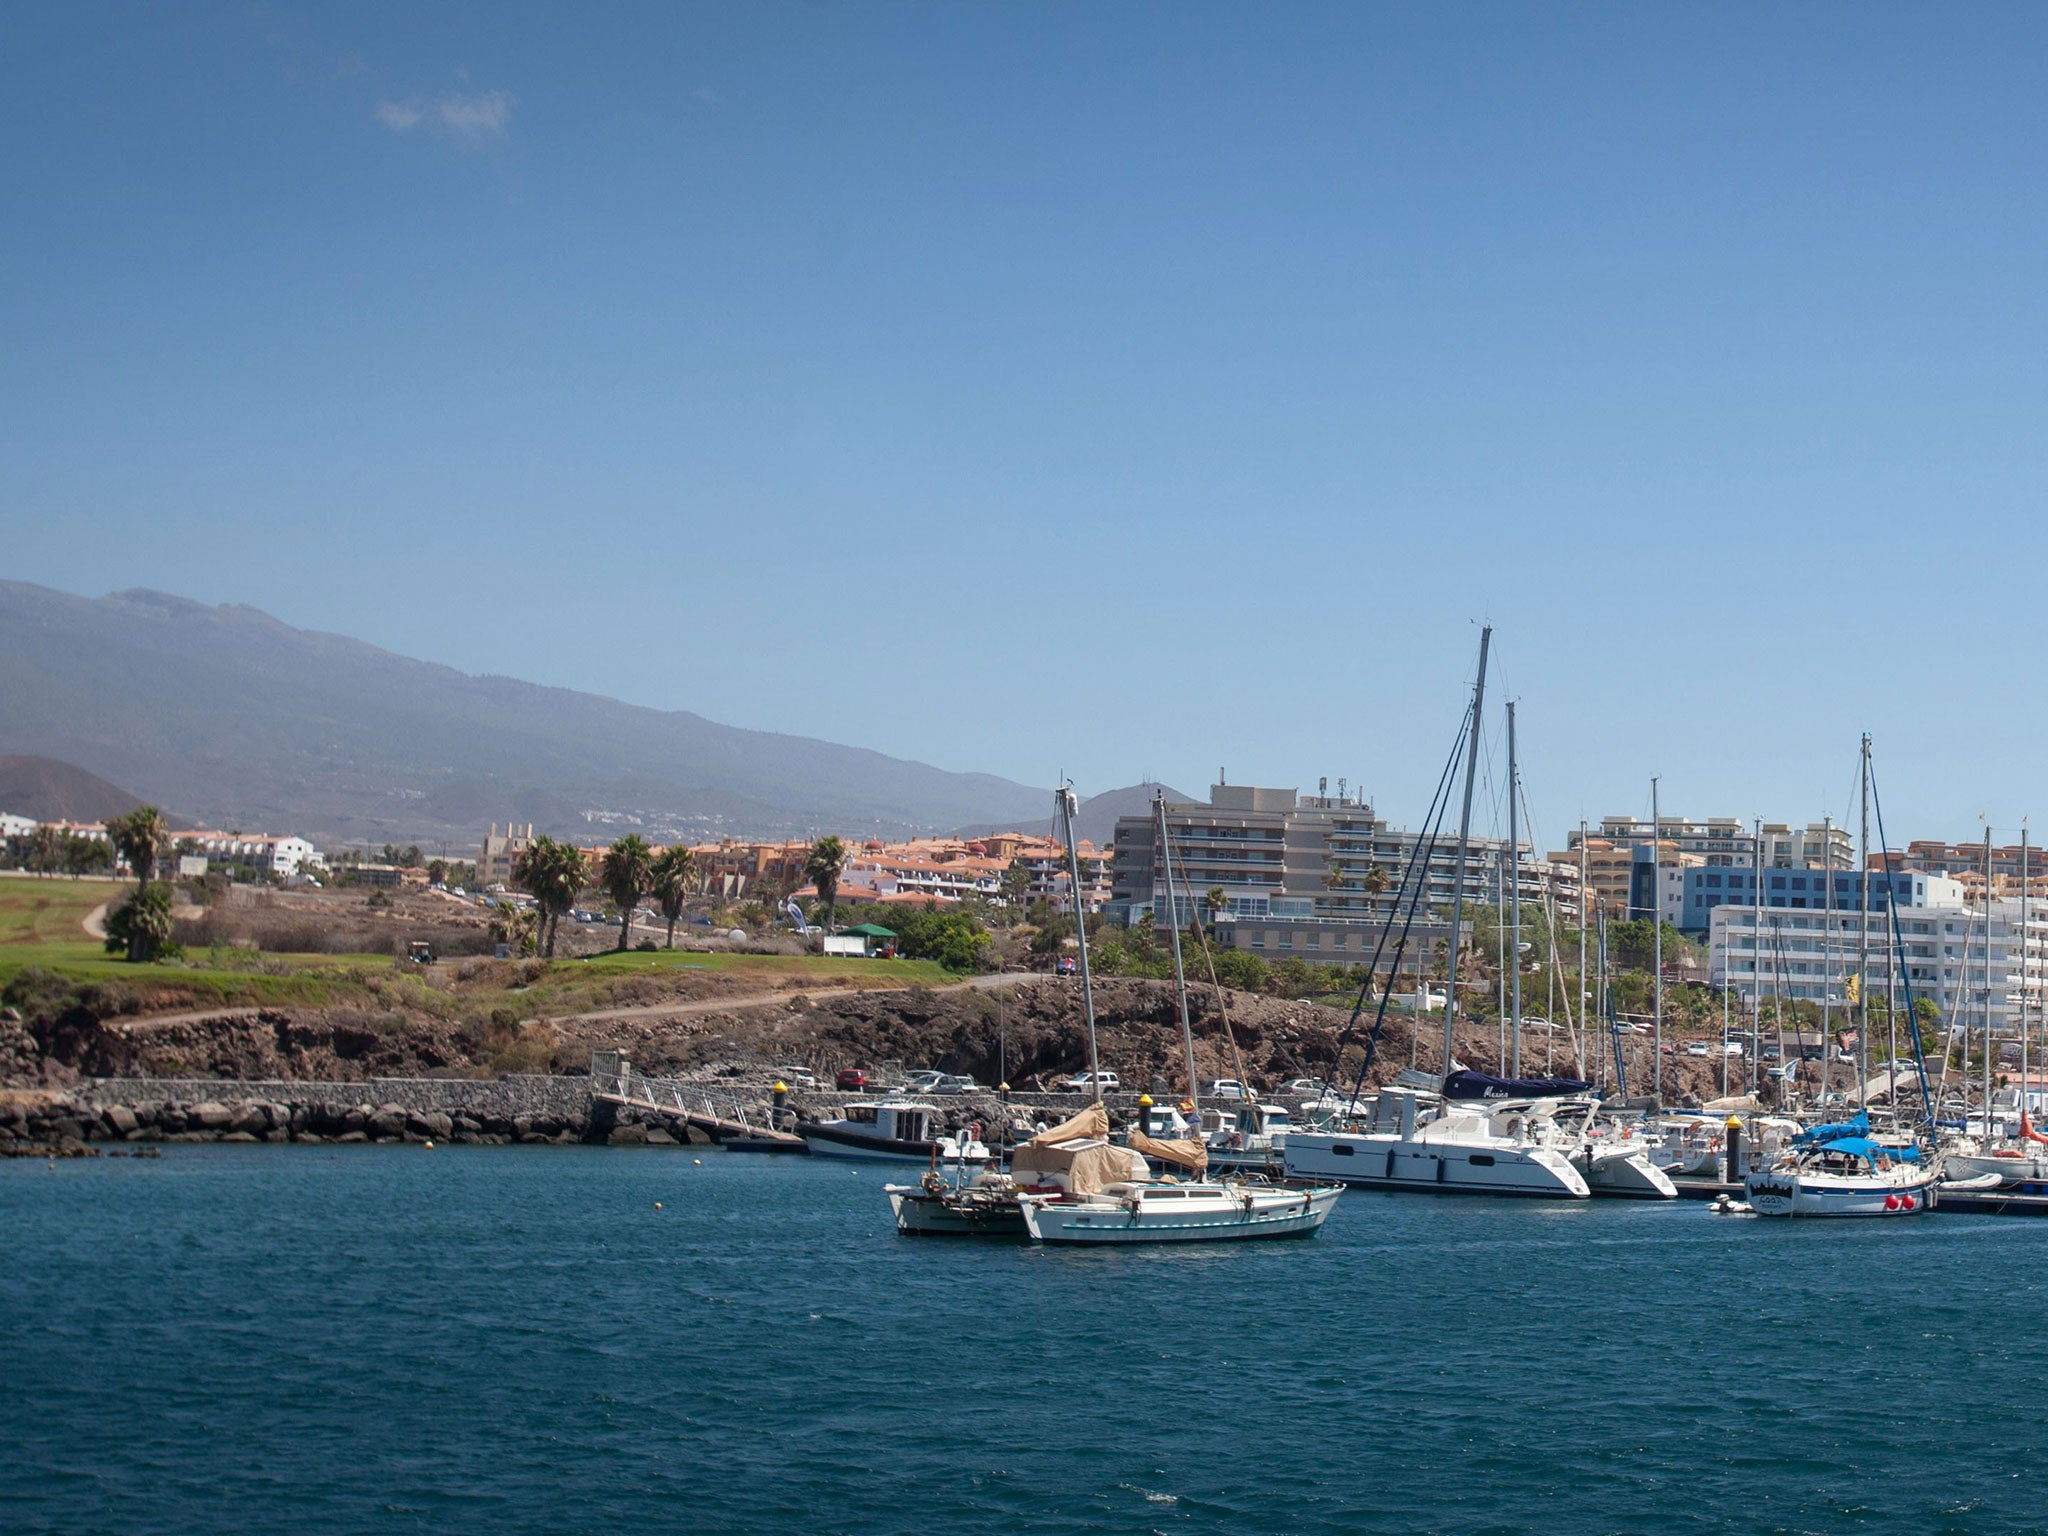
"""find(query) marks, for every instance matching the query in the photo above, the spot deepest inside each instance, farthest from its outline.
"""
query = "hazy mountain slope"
(233, 716)
(49, 790)
(1098, 815)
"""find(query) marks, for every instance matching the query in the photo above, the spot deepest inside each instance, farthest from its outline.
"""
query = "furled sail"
(1192, 1155)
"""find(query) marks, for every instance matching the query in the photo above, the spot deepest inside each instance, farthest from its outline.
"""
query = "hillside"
(48, 790)
(237, 718)
(1096, 821)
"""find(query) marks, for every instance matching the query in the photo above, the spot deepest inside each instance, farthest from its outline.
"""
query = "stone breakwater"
(528, 1109)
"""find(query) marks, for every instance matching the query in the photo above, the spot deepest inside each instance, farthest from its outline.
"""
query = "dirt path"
(96, 922)
(764, 999)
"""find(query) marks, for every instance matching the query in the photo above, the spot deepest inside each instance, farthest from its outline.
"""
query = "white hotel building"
(1809, 955)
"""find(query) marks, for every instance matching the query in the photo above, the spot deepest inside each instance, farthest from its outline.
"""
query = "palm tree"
(670, 881)
(139, 836)
(553, 875)
(1214, 900)
(1377, 880)
(628, 866)
(822, 868)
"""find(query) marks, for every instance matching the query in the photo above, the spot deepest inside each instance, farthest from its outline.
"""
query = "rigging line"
(1417, 868)
(1904, 975)
(1425, 852)
(1209, 960)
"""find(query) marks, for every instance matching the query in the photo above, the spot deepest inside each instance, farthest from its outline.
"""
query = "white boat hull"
(1629, 1176)
(1250, 1214)
(1389, 1162)
(1778, 1192)
(2010, 1170)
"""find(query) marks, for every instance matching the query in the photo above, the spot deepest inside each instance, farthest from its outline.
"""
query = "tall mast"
(1180, 979)
(2026, 1101)
(1987, 982)
(1585, 1029)
(1862, 886)
(1514, 897)
(1657, 941)
(1827, 943)
(1064, 811)
(1756, 963)
(1464, 845)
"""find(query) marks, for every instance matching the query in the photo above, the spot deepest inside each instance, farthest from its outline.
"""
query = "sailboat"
(1167, 1210)
(1841, 1169)
(1419, 1139)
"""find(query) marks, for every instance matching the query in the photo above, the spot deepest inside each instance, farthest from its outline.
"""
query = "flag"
(1854, 991)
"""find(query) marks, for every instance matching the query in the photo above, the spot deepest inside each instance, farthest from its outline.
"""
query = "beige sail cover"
(1092, 1121)
(1741, 1104)
(1082, 1166)
(1186, 1154)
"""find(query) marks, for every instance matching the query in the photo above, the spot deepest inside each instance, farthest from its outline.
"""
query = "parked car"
(1064, 966)
(1305, 1087)
(796, 1077)
(950, 1083)
(1698, 1048)
(1228, 1088)
(851, 1079)
(1088, 1082)
(921, 1081)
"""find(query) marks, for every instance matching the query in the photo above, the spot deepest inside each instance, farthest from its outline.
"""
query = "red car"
(853, 1079)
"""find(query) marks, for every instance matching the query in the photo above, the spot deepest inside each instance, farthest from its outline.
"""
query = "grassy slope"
(41, 925)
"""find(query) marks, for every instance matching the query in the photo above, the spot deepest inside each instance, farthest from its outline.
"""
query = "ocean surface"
(390, 1339)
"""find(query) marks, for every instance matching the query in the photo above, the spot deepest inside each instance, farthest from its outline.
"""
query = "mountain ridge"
(234, 715)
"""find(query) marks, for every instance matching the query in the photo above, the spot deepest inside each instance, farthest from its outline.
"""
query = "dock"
(613, 1081)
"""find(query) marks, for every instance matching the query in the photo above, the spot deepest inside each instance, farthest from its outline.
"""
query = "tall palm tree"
(628, 866)
(670, 881)
(140, 836)
(827, 857)
(553, 874)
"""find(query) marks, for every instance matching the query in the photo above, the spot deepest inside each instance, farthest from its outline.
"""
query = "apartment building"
(500, 851)
(258, 853)
(1319, 876)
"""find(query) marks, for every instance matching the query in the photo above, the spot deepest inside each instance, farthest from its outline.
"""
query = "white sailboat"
(1843, 1174)
(1128, 1210)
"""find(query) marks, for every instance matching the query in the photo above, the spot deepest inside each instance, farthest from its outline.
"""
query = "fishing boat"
(984, 1206)
(892, 1131)
(1839, 1170)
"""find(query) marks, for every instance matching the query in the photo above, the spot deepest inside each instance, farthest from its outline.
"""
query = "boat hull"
(2010, 1170)
(1267, 1214)
(1774, 1192)
(825, 1141)
(1628, 1176)
(1387, 1162)
(920, 1213)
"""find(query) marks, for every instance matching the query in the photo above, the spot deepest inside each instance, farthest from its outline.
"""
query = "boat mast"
(1756, 963)
(1827, 943)
(1862, 885)
(1514, 897)
(1180, 978)
(1987, 983)
(1464, 846)
(1064, 811)
(1585, 1029)
(1657, 943)
(2026, 1099)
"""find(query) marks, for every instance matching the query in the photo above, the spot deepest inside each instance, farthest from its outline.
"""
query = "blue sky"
(1110, 390)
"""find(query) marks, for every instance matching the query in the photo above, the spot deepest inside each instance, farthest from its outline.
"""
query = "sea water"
(372, 1339)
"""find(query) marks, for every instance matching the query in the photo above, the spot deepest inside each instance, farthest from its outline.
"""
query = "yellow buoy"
(430, 1146)
(657, 1205)
(697, 1162)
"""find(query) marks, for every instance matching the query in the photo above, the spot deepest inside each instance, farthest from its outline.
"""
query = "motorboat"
(2023, 1160)
(893, 1131)
(1417, 1141)
(1839, 1170)
(1169, 1212)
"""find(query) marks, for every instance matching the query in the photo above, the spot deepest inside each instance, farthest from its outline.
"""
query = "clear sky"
(1113, 390)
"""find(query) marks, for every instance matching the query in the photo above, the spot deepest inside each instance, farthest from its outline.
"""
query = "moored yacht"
(1838, 1170)
(1166, 1212)
(892, 1131)
(1413, 1141)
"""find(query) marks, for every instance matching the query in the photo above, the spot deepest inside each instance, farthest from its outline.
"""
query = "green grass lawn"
(50, 911)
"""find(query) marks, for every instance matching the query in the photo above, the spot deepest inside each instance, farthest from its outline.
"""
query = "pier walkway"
(613, 1081)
